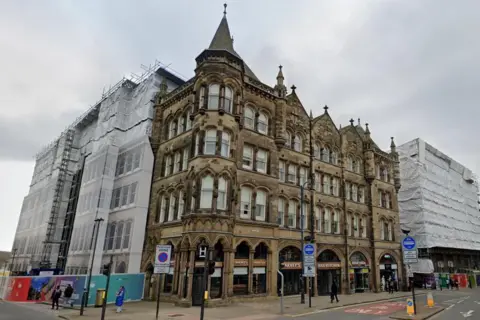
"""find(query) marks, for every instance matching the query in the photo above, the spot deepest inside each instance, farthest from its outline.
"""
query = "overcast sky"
(408, 68)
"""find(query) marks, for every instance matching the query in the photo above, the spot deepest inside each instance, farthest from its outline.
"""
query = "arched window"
(246, 203)
(356, 227)
(188, 122)
(364, 227)
(292, 214)
(349, 163)
(326, 184)
(336, 221)
(382, 229)
(228, 100)
(206, 196)
(213, 96)
(327, 228)
(210, 142)
(390, 230)
(354, 192)
(289, 141)
(297, 144)
(118, 235)
(181, 205)
(316, 151)
(249, 118)
(348, 224)
(281, 212)
(126, 235)
(326, 155)
(171, 210)
(163, 208)
(225, 149)
(222, 194)
(260, 205)
(334, 157)
(262, 123)
(318, 220)
(358, 165)
(172, 128)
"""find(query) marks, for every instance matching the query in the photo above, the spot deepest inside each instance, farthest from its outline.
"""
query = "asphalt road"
(458, 301)
(14, 311)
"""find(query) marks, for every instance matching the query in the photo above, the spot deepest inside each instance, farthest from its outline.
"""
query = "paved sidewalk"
(239, 311)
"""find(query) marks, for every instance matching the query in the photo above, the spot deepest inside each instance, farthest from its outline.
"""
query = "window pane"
(247, 157)
(213, 96)
(249, 118)
(246, 202)
(225, 151)
(260, 206)
(206, 193)
(210, 142)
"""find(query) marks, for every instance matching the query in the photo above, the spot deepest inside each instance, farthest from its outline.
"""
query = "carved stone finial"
(225, 9)
(293, 88)
(351, 122)
(325, 108)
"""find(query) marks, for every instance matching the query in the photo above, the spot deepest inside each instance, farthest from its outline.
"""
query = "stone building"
(230, 156)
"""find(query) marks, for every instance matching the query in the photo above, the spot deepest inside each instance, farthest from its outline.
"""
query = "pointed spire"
(351, 122)
(222, 40)
(311, 114)
(225, 9)
(326, 109)
(280, 76)
(359, 124)
(392, 144)
(280, 88)
(367, 131)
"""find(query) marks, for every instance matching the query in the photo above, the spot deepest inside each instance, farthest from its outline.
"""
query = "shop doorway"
(359, 273)
(290, 264)
(329, 270)
(197, 287)
(388, 271)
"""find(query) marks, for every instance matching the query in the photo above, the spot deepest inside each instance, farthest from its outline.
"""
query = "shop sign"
(329, 265)
(201, 264)
(256, 262)
(358, 263)
(291, 265)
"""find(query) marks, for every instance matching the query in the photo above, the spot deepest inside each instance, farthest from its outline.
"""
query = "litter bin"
(99, 298)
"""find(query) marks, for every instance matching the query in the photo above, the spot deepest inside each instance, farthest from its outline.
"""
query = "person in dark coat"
(56, 294)
(334, 292)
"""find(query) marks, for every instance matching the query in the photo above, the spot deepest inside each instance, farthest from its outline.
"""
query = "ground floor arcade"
(249, 269)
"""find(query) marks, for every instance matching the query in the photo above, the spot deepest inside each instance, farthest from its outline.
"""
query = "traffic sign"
(309, 260)
(410, 307)
(162, 258)
(409, 243)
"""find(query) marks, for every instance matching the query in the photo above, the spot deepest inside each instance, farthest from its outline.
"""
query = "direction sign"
(309, 261)
(162, 258)
(409, 243)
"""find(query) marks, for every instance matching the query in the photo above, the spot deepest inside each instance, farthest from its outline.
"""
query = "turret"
(369, 155)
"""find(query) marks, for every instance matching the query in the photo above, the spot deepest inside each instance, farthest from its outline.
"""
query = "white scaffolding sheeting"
(438, 199)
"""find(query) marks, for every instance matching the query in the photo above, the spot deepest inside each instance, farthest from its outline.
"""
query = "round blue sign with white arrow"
(409, 243)
(309, 249)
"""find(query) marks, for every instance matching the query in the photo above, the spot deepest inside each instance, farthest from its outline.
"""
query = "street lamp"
(206, 272)
(86, 290)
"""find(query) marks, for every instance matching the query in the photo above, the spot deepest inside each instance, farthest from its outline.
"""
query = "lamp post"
(14, 253)
(208, 257)
(86, 290)
(412, 283)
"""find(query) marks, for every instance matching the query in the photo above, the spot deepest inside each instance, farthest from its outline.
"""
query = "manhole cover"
(175, 315)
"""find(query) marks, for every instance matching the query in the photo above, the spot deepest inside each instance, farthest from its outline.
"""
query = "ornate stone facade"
(231, 155)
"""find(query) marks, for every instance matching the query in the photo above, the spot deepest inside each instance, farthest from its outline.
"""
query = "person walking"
(390, 286)
(334, 292)
(120, 298)
(68, 295)
(56, 294)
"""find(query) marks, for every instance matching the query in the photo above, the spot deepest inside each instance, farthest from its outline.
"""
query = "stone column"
(250, 271)
(181, 272)
(226, 273)
(273, 259)
(268, 274)
(190, 273)
(230, 275)
(176, 269)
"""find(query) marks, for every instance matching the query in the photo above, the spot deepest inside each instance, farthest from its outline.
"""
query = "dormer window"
(213, 97)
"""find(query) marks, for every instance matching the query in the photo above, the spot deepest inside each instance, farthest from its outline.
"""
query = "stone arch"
(223, 240)
(233, 83)
(259, 242)
(395, 256)
(335, 250)
(288, 243)
(185, 242)
(198, 239)
(247, 241)
(248, 184)
(205, 171)
(266, 111)
(362, 251)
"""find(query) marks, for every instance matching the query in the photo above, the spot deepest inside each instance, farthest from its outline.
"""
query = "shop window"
(259, 278)
(240, 273)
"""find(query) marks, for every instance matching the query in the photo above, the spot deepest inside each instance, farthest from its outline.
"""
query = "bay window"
(222, 194)
(210, 142)
(249, 118)
(225, 149)
(262, 123)
(206, 196)
(213, 96)
(228, 100)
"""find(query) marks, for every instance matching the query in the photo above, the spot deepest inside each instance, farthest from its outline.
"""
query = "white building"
(439, 204)
(100, 167)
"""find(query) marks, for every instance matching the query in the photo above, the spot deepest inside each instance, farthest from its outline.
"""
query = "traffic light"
(211, 267)
(106, 269)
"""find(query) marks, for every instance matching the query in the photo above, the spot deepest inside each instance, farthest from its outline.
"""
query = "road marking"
(451, 306)
(460, 301)
(467, 314)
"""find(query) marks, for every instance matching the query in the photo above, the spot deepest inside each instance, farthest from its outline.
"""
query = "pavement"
(365, 306)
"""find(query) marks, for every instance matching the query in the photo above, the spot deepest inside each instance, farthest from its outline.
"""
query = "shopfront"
(291, 267)
(388, 269)
(240, 270)
(359, 273)
(329, 270)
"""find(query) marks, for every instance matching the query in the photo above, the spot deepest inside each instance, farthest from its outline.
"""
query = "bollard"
(410, 308)
(430, 301)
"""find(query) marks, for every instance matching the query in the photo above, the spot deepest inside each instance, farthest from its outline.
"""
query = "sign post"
(309, 266)
(410, 307)
(163, 255)
(410, 255)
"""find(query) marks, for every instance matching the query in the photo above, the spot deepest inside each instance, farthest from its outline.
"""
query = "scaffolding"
(57, 200)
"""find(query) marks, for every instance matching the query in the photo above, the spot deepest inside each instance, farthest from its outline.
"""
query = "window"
(111, 236)
(361, 194)
(260, 205)
(292, 173)
(335, 185)
(163, 208)
(124, 195)
(349, 163)
(288, 142)
(247, 157)
(213, 96)
(318, 220)
(178, 162)
(304, 217)
(348, 224)
(316, 151)
(225, 150)
(126, 235)
(354, 192)
(167, 166)
(136, 158)
(120, 165)
(185, 159)
(133, 192)
(358, 166)
(206, 197)
(246, 203)
(281, 212)
(188, 122)
(326, 155)
(181, 125)
(334, 157)
(364, 227)
(292, 214)
(249, 118)
(181, 205)
(128, 162)
(327, 222)
(377, 171)
(355, 226)
(115, 203)
(281, 170)
(197, 144)
(210, 142)
(261, 161)
(118, 236)
(297, 144)
(390, 231)
(336, 221)
(348, 190)
(388, 203)
(202, 97)
(222, 194)
(382, 229)
(318, 182)
(171, 210)
(262, 123)
(303, 175)
(326, 184)
(173, 128)
(228, 100)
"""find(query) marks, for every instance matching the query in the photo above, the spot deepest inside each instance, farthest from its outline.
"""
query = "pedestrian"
(120, 298)
(390, 286)
(334, 292)
(68, 295)
(56, 294)
(469, 283)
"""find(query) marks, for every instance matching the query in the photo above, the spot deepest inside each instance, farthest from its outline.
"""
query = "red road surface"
(380, 309)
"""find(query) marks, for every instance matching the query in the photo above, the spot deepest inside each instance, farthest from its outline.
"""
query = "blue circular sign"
(410, 303)
(409, 243)
(309, 249)
(163, 257)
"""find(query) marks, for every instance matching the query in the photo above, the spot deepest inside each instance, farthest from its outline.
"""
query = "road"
(20, 311)
(455, 302)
